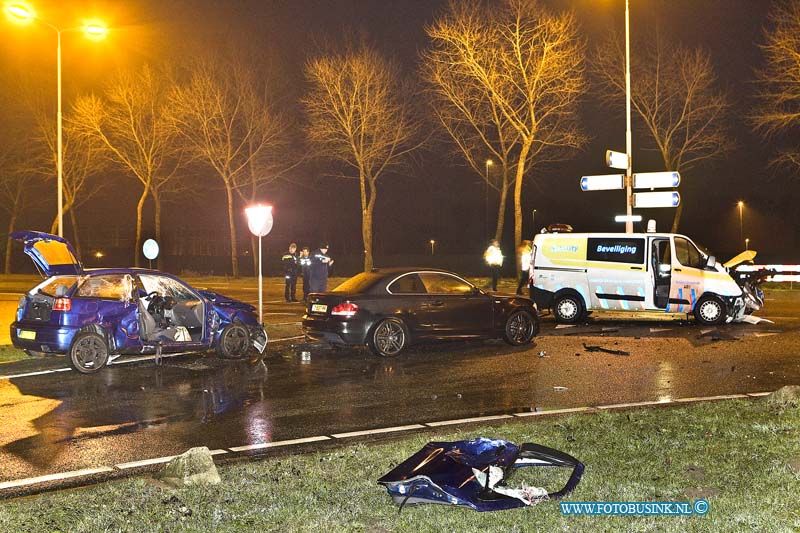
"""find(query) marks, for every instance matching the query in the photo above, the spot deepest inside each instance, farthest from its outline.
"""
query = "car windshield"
(58, 286)
(359, 283)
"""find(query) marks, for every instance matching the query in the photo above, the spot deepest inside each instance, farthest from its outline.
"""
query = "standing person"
(524, 254)
(494, 260)
(320, 265)
(305, 268)
(290, 269)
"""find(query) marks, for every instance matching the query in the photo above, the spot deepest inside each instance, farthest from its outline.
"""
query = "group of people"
(313, 267)
(494, 260)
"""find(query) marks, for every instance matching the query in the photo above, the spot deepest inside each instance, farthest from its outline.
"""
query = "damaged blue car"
(95, 315)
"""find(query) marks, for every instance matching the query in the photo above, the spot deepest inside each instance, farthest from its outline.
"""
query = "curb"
(89, 476)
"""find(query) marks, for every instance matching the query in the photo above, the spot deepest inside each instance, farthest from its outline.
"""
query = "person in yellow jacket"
(494, 260)
(524, 255)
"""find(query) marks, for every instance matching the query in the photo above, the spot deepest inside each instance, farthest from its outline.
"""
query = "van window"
(615, 250)
(688, 254)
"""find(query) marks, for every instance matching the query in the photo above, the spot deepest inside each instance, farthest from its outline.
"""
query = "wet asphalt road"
(66, 421)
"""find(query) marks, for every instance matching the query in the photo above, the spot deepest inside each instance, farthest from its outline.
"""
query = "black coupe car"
(390, 308)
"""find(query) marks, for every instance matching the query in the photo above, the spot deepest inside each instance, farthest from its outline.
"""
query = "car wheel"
(710, 311)
(234, 342)
(88, 353)
(520, 328)
(568, 308)
(388, 338)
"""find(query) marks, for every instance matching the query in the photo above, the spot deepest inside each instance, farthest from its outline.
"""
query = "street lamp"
(95, 30)
(259, 221)
(533, 221)
(433, 244)
(628, 138)
(489, 163)
(741, 221)
(747, 244)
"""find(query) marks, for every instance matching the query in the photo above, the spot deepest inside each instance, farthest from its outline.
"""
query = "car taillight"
(62, 304)
(347, 309)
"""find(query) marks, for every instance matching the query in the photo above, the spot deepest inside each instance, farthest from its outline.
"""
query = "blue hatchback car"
(95, 315)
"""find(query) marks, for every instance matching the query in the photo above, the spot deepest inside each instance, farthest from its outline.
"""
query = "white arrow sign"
(656, 199)
(656, 180)
(604, 182)
(616, 159)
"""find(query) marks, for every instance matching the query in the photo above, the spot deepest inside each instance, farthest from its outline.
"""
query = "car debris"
(473, 473)
(717, 335)
(752, 319)
(559, 389)
(604, 350)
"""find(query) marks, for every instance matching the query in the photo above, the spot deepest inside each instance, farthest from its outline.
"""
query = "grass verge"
(743, 456)
(9, 354)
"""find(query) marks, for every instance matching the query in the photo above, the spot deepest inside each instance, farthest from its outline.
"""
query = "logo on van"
(616, 249)
(564, 248)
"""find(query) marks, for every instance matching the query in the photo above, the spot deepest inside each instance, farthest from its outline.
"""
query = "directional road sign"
(604, 182)
(616, 159)
(656, 199)
(656, 180)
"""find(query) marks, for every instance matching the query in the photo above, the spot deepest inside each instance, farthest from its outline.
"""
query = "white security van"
(660, 276)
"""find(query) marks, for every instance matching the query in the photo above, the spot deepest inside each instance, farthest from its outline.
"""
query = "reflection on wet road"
(66, 421)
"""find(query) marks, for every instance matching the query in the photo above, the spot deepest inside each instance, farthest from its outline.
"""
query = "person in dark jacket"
(305, 268)
(320, 266)
(291, 268)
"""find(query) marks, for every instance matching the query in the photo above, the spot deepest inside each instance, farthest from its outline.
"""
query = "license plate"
(319, 308)
(29, 335)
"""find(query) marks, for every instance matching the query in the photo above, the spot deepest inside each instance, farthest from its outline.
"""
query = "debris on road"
(752, 319)
(557, 388)
(194, 467)
(604, 350)
(717, 335)
(542, 353)
(659, 330)
(455, 473)
(562, 326)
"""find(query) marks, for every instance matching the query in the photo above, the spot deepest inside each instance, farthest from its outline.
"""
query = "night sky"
(437, 198)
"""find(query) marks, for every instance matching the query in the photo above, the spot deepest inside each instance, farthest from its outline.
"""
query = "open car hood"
(747, 255)
(51, 254)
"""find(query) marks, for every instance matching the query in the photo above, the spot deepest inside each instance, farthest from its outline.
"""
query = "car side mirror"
(664, 269)
(476, 291)
(711, 262)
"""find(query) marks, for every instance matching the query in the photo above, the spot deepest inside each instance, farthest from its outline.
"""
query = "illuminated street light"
(433, 244)
(747, 244)
(259, 221)
(22, 13)
(741, 221)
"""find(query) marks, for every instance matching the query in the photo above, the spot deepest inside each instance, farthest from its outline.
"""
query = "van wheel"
(88, 353)
(710, 311)
(568, 308)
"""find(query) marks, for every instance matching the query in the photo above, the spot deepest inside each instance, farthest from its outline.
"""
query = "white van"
(660, 276)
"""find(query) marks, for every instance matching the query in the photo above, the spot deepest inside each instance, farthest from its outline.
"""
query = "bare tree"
(470, 117)
(131, 122)
(674, 91)
(359, 115)
(83, 160)
(778, 111)
(15, 181)
(530, 64)
(228, 123)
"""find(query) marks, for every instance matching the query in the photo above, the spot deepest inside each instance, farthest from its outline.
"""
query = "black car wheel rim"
(235, 340)
(89, 352)
(390, 338)
(519, 328)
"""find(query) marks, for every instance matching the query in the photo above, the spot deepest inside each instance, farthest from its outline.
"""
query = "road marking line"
(376, 431)
(634, 404)
(467, 420)
(758, 394)
(553, 412)
(39, 373)
(277, 443)
(54, 477)
(287, 339)
(145, 462)
(708, 398)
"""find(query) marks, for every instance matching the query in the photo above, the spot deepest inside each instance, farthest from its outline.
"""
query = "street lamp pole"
(533, 221)
(741, 221)
(94, 30)
(486, 201)
(628, 139)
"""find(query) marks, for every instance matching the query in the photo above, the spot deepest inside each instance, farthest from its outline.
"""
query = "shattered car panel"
(455, 473)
